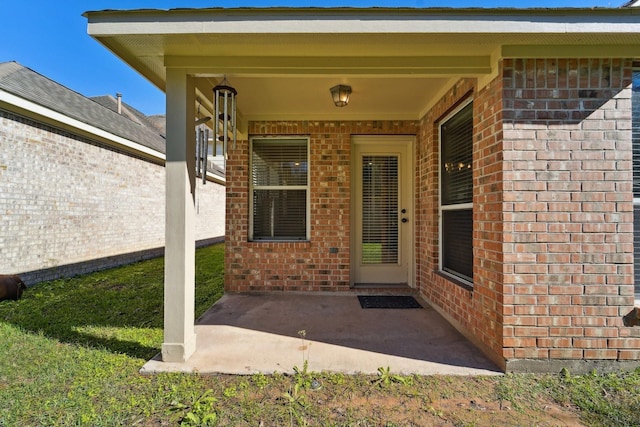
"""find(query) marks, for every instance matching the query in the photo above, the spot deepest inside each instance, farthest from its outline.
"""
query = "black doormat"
(381, 301)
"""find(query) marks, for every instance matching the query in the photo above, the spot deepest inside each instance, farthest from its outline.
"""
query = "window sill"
(456, 280)
(279, 241)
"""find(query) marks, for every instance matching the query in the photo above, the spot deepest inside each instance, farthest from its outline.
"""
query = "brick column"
(568, 214)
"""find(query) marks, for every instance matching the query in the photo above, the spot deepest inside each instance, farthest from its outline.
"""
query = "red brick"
(565, 353)
(565, 310)
(528, 331)
(566, 332)
(626, 343)
(520, 342)
(563, 342)
(597, 343)
(565, 289)
(589, 321)
(554, 299)
(602, 354)
(601, 332)
(554, 321)
(629, 355)
(530, 353)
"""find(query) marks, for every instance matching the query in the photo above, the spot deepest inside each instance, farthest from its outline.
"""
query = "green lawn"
(70, 352)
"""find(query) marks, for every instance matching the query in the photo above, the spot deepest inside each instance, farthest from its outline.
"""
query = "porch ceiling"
(398, 61)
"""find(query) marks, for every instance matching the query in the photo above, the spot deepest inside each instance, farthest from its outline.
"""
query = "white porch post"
(179, 271)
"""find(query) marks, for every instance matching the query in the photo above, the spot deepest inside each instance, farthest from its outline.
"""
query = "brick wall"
(69, 205)
(299, 266)
(477, 312)
(568, 214)
(553, 217)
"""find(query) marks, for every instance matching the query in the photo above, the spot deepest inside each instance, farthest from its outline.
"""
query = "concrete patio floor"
(247, 333)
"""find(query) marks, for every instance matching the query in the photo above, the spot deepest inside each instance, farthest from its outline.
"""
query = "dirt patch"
(365, 401)
(486, 413)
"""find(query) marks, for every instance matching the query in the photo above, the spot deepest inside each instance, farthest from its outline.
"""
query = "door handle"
(405, 220)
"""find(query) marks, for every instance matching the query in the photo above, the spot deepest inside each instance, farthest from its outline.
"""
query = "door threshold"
(380, 286)
(383, 289)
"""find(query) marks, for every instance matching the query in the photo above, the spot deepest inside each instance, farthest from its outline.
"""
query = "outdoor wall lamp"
(340, 95)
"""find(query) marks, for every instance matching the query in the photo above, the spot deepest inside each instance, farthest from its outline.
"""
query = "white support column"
(179, 271)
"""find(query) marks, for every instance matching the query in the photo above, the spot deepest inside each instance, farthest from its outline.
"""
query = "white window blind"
(280, 187)
(380, 210)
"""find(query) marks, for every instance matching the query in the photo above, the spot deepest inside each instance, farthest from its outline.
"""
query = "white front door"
(382, 194)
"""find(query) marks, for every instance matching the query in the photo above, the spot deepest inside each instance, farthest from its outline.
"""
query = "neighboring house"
(485, 160)
(82, 186)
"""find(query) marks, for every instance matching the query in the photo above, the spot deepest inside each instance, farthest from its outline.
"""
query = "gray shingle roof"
(32, 86)
(131, 113)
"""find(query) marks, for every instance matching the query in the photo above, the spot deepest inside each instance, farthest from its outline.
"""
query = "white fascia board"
(216, 178)
(52, 116)
(306, 22)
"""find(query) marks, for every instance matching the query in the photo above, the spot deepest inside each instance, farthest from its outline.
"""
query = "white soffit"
(283, 61)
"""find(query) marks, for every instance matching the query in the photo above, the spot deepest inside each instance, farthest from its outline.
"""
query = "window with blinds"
(380, 209)
(279, 188)
(635, 137)
(456, 194)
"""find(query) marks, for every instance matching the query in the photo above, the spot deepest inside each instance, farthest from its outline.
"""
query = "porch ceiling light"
(340, 95)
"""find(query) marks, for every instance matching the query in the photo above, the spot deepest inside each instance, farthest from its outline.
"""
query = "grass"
(70, 352)
(372, 253)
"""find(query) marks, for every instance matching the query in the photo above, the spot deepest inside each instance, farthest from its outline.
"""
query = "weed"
(385, 377)
(201, 413)
(230, 391)
(337, 378)
(303, 377)
(260, 380)
(295, 401)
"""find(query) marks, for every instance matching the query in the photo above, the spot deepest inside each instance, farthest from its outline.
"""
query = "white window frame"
(307, 188)
(443, 208)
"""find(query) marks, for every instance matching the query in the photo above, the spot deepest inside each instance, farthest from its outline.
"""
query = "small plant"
(260, 380)
(296, 401)
(230, 391)
(302, 376)
(200, 413)
(385, 377)
(337, 378)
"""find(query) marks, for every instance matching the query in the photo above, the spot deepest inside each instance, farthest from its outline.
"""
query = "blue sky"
(51, 38)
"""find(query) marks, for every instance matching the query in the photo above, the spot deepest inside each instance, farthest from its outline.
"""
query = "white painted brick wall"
(65, 200)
